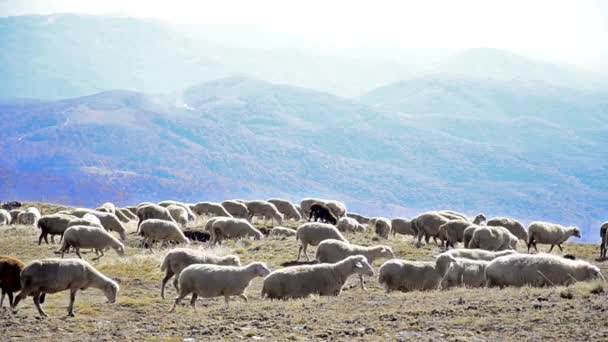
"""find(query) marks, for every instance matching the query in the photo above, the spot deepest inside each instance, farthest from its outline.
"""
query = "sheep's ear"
(358, 264)
(383, 250)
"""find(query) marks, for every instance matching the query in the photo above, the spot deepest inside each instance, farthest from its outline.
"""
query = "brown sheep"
(10, 281)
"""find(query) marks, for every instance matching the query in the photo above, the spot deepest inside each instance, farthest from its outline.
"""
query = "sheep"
(86, 220)
(493, 239)
(404, 275)
(550, 233)
(152, 211)
(512, 225)
(286, 208)
(29, 217)
(191, 216)
(320, 212)
(452, 232)
(179, 214)
(322, 279)
(478, 254)
(307, 203)
(402, 226)
(452, 215)
(55, 224)
(160, 230)
(107, 208)
(331, 251)
(14, 215)
(604, 238)
(462, 271)
(179, 258)
(427, 225)
(90, 237)
(382, 227)
(337, 208)
(539, 270)
(312, 233)
(282, 232)
(44, 276)
(108, 220)
(236, 209)
(348, 224)
(216, 280)
(266, 210)
(232, 228)
(360, 218)
(210, 209)
(467, 235)
(5, 217)
(10, 268)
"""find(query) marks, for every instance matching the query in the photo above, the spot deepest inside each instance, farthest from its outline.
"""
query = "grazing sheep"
(360, 218)
(462, 271)
(160, 230)
(282, 232)
(111, 223)
(197, 235)
(215, 281)
(350, 225)
(512, 225)
(285, 207)
(179, 258)
(14, 215)
(331, 251)
(29, 217)
(550, 233)
(210, 209)
(236, 209)
(307, 203)
(604, 238)
(266, 210)
(322, 279)
(427, 225)
(539, 270)
(320, 212)
(452, 215)
(402, 226)
(337, 208)
(90, 237)
(478, 254)
(179, 214)
(404, 275)
(191, 216)
(233, 228)
(54, 275)
(152, 211)
(86, 220)
(55, 224)
(493, 239)
(5, 218)
(10, 268)
(452, 232)
(107, 208)
(382, 227)
(312, 233)
(467, 235)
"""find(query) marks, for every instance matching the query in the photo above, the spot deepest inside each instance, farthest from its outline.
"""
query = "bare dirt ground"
(576, 313)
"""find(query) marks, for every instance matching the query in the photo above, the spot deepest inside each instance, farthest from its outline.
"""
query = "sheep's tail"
(165, 264)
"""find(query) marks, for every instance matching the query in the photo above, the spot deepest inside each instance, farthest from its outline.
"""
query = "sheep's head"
(231, 260)
(576, 232)
(260, 269)
(258, 235)
(120, 249)
(110, 291)
(443, 262)
(361, 266)
(479, 219)
(386, 252)
(593, 272)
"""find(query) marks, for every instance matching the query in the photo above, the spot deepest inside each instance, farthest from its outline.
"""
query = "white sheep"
(266, 210)
(5, 217)
(493, 239)
(312, 233)
(160, 230)
(512, 225)
(179, 258)
(331, 251)
(349, 225)
(307, 203)
(90, 237)
(427, 225)
(179, 214)
(108, 220)
(54, 275)
(282, 232)
(462, 271)
(467, 235)
(14, 216)
(107, 208)
(402, 226)
(382, 227)
(405, 275)
(550, 233)
(285, 207)
(29, 217)
(233, 228)
(322, 279)
(86, 220)
(216, 280)
(210, 209)
(152, 211)
(337, 208)
(236, 209)
(191, 215)
(478, 254)
(539, 270)
(452, 232)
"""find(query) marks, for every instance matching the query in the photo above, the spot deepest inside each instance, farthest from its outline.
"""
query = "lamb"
(337, 208)
(322, 279)
(179, 214)
(348, 224)
(231, 228)
(493, 239)
(539, 270)
(550, 233)
(29, 217)
(461, 271)
(5, 218)
(478, 254)
(54, 275)
(236, 209)
(179, 258)
(427, 225)
(216, 280)
(382, 227)
(266, 210)
(312, 233)
(402, 226)
(319, 211)
(604, 238)
(152, 211)
(160, 230)
(404, 275)
(14, 216)
(191, 215)
(360, 218)
(331, 251)
(453, 231)
(286, 208)
(512, 225)
(210, 209)
(10, 268)
(55, 224)
(282, 232)
(90, 237)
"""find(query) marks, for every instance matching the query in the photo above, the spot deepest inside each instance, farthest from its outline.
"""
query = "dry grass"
(574, 313)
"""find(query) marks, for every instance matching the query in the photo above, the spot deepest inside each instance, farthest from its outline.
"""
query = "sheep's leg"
(361, 281)
(52, 239)
(19, 297)
(175, 282)
(37, 304)
(2, 299)
(168, 276)
(306, 254)
(560, 247)
(226, 300)
(72, 299)
(193, 301)
(420, 234)
(177, 300)
(244, 297)
(60, 237)
(550, 249)
(42, 235)
(78, 252)
(10, 298)
(299, 252)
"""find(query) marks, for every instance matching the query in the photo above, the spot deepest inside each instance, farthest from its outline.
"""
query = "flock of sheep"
(488, 256)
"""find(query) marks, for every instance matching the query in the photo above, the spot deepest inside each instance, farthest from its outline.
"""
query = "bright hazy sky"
(574, 31)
